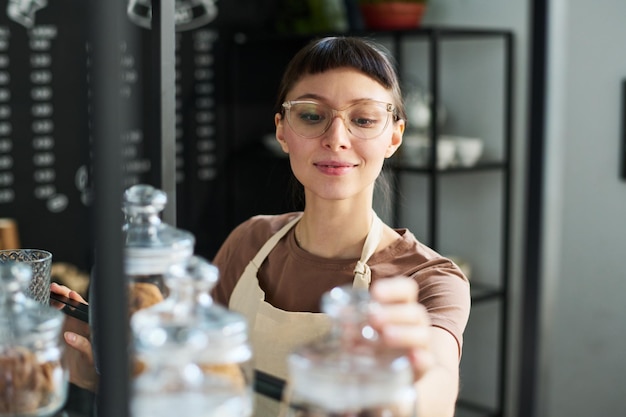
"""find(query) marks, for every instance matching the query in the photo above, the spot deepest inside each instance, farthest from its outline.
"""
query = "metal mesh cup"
(40, 261)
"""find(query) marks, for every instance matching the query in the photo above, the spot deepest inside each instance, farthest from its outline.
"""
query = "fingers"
(68, 292)
(394, 290)
(81, 344)
(397, 303)
(402, 322)
(409, 313)
(79, 359)
(59, 289)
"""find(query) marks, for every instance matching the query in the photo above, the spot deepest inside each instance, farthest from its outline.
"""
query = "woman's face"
(338, 165)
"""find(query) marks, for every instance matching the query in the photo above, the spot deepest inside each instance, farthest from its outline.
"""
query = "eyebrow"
(313, 96)
(310, 96)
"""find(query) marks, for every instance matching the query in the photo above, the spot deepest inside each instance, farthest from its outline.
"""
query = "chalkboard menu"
(44, 126)
(44, 122)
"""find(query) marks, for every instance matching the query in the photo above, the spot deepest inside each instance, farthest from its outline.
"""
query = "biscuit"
(143, 295)
(25, 384)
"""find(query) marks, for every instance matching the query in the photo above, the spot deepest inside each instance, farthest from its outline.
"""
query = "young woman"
(339, 116)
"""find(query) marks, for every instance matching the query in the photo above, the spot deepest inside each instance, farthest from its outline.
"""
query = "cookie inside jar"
(33, 378)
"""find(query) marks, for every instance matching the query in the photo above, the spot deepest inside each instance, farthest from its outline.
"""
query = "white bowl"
(469, 150)
(415, 151)
(446, 153)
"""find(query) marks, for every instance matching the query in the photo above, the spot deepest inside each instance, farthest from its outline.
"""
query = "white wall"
(584, 337)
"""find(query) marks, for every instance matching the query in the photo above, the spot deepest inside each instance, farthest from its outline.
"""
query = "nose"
(337, 136)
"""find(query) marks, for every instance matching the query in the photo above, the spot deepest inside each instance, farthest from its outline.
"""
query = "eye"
(310, 114)
(364, 122)
(366, 117)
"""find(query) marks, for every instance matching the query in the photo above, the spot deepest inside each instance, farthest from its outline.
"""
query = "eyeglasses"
(365, 119)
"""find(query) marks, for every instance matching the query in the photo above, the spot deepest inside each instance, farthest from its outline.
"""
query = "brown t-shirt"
(294, 280)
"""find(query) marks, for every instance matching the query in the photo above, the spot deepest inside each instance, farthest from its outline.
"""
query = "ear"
(396, 138)
(279, 121)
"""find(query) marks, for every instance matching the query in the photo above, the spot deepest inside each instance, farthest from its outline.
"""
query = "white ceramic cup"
(469, 150)
(446, 153)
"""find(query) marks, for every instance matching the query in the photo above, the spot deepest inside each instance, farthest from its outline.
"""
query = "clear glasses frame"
(317, 121)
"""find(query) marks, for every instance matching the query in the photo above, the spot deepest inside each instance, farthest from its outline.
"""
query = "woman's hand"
(404, 323)
(79, 357)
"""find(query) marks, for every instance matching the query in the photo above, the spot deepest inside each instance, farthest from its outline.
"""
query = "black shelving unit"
(246, 102)
(481, 292)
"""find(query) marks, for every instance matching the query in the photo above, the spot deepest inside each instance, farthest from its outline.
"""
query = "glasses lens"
(309, 120)
(365, 120)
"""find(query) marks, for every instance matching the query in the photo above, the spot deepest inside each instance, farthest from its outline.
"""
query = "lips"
(334, 167)
(334, 164)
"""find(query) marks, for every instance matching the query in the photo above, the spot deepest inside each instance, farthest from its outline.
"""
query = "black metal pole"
(531, 288)
(109, 287)
(507, 185)
(163, 99)
(433, 180)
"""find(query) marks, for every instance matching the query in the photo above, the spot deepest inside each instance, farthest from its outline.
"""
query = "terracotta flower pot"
(392, 15)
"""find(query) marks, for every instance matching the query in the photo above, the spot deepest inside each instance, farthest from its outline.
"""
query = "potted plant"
(392, 14)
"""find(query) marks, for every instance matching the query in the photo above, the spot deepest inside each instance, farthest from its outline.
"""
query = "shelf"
(479, 408)
(424, 30)
(484, 292)
(449, 31)
(480, 167)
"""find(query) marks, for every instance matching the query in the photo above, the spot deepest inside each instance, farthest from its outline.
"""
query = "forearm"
(437, 392)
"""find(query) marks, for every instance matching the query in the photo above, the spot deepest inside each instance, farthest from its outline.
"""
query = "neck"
(337, 233)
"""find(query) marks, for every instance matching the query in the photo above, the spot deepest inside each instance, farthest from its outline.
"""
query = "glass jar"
(191, 354)
(150, 245)
(33, 377)
(349, 372)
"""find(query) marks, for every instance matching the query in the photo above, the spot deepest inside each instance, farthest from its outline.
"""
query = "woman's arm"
(433, 351)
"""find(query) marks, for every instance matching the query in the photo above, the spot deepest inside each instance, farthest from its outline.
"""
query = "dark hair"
(336, 52)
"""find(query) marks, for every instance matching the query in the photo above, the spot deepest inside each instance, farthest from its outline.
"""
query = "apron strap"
(362, 272)
(271, 242)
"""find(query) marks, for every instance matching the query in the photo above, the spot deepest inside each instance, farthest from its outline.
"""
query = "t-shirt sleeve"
(445, 292)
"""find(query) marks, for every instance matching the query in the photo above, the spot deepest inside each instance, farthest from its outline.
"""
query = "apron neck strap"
(272, 241)
(362, 272)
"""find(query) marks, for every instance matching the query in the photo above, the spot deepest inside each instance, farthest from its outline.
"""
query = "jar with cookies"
(33, 377)
(150, 247)
(191, 353)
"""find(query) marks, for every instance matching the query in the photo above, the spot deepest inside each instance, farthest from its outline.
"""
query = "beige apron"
(274, 332)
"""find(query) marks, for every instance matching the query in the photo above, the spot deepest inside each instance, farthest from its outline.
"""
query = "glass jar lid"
(352, 346)
(150, 244)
